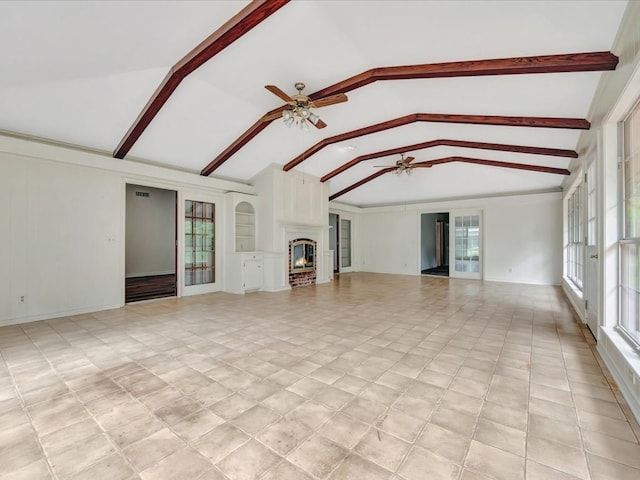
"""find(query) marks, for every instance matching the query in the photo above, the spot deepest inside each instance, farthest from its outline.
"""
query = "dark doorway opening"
(434, 244)
(150, 243)
(334, 240)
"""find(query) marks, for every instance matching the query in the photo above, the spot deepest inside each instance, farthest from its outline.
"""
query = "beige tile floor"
(370, 377)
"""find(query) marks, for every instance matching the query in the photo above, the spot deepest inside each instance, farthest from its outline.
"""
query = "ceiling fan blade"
(320, 124)
(409, 159)
(279, 93)
(422, 165)
(331, 100)
(384, 166)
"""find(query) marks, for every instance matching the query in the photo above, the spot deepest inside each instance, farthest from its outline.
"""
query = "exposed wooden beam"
(362, 182)
(554, 152)
(572, 62)
(239, 142)
(494, 163)
(576, 62)
(241, 23)
(539, 122)
(440, 161)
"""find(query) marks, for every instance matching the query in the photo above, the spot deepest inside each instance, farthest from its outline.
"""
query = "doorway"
(591, 273)
(334, 241)
(150, 243)
(466, 238)
(434, 244)
(340, 242)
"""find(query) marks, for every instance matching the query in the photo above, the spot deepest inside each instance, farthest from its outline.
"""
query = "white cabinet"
(244, 272)
(252, 267)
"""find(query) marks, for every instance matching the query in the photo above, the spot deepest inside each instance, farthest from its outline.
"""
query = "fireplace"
(303, 255)
(302, 262)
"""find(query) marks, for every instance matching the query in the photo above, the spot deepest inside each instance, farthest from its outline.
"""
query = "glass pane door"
(590, 253)
(345, 243)
(199, 231)
(467, 246)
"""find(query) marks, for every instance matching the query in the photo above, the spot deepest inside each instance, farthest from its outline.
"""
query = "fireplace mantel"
(296, 206)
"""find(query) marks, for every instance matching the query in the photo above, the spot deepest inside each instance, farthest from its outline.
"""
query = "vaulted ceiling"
(490, 97)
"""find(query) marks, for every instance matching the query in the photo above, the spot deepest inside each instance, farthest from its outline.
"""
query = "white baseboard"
(50, 316)
(276, 289)
(624, 364)
(573, 298)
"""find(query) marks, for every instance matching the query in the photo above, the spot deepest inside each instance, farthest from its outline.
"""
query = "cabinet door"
(252, 274)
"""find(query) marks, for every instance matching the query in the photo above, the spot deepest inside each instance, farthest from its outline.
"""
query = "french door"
(591, 273)
(466, 239)
(345, 243)
(198, 245)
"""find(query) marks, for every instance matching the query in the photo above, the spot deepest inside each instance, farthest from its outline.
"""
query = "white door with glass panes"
(199, 252)
(591, 261)
(465, 260)
(345, 244)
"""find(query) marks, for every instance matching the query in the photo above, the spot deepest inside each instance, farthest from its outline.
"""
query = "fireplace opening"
(302, 256)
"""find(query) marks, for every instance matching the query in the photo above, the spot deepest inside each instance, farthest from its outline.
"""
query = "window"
(630, 242)
(199, 231)
(575, 240)
(591, 204)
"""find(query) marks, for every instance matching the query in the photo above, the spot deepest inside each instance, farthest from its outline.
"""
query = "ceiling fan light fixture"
(298, 108)
(402, 165)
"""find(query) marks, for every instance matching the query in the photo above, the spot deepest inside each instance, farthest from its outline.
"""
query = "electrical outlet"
(21, 299)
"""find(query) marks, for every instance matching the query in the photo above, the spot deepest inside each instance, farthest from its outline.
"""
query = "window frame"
(623, 325)
(574, 268)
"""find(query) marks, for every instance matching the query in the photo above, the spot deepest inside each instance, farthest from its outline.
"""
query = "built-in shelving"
(245, 227)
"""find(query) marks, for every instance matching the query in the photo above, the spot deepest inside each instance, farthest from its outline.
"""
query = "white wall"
(61, 235)
(150, 233)
(617, 92)
(522, 237)
(389, 242)
(62, 217)
(523, 240)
